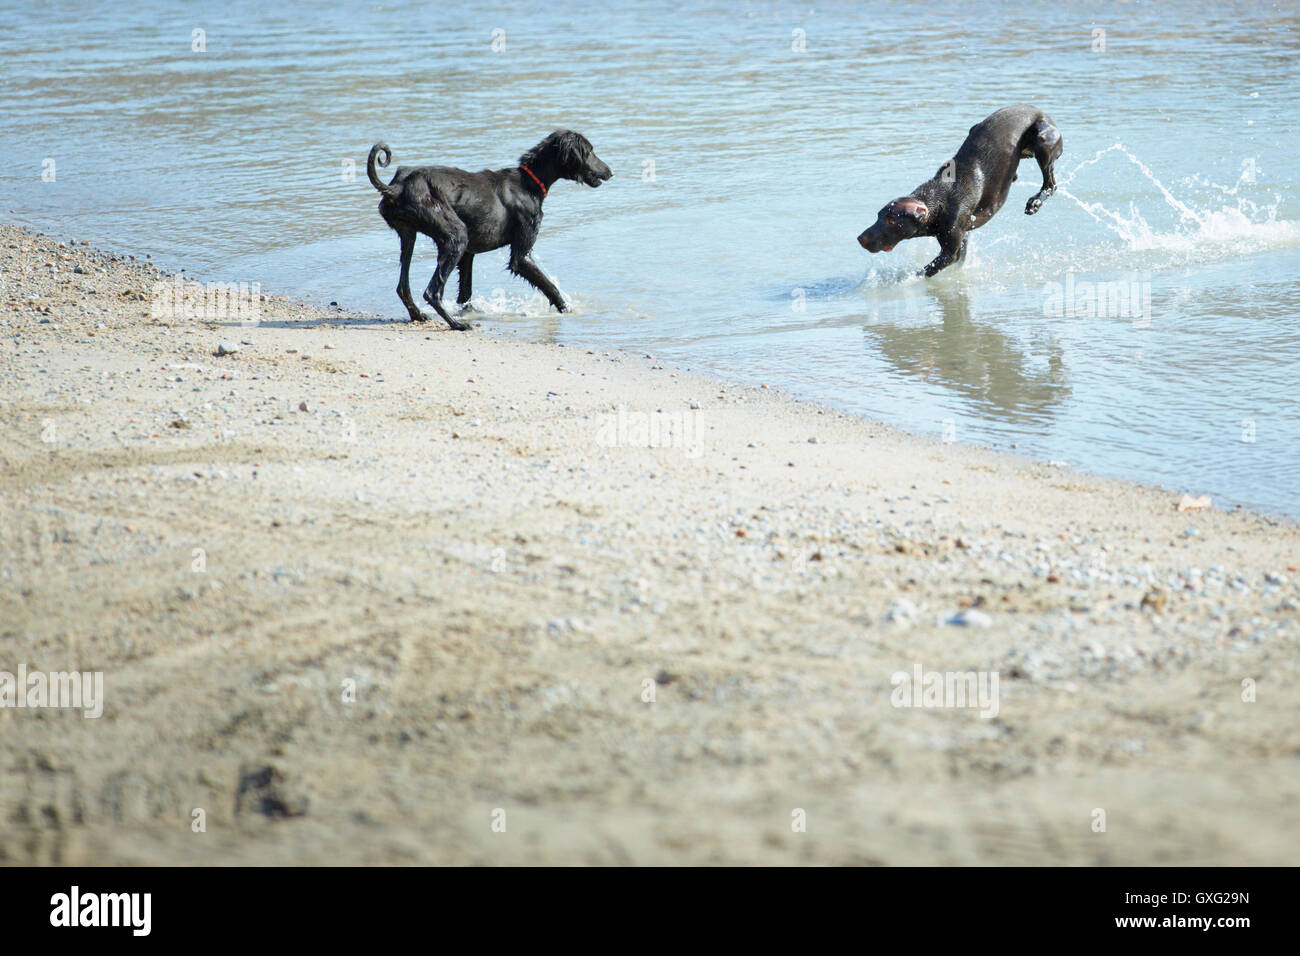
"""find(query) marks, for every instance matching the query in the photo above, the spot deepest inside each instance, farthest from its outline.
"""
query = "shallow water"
(745, 168)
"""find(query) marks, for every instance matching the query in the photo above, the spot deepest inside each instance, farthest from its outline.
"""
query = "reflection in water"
(937, 340)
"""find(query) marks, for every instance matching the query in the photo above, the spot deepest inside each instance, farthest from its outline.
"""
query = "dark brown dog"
(972, 186)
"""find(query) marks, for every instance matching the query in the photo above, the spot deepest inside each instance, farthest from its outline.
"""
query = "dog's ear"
(914, 208)
(573, 148)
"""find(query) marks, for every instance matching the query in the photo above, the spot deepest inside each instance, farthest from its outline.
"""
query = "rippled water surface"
(748, 156)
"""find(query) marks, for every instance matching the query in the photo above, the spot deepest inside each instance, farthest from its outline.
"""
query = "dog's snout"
(871, 239)
(597, 172)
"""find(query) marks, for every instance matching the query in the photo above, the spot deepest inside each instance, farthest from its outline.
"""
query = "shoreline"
(442, 520)
(168, 269)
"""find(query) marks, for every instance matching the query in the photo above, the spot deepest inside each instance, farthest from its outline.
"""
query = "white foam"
(500, 304)
(1199, 231)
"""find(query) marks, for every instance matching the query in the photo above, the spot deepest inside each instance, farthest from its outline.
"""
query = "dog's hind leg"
(466, 288)
(452, 238)
(522, 265)
(1046, 146)
(407, 236)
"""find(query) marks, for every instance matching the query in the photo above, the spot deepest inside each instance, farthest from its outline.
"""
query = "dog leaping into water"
(467, 213)
(971, 187)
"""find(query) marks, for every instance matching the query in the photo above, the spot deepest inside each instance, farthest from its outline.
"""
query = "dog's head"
(901, 219)
(567, 155)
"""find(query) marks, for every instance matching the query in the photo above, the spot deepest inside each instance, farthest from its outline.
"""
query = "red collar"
(533, 176)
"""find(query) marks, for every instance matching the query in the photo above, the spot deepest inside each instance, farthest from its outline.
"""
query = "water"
(744, 171)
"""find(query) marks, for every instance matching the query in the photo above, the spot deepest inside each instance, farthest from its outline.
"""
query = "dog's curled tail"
(375, 181)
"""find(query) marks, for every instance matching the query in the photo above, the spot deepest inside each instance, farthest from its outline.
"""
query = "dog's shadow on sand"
(342, 320)
(542, 328)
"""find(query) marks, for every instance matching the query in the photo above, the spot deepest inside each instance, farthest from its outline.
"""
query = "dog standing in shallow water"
(467, 213)
(972, 186)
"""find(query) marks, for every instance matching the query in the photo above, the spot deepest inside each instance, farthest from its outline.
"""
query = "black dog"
(465, 213)
(972, 186)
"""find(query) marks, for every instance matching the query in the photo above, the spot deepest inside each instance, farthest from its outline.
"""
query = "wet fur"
(970, 188)
(467, 213)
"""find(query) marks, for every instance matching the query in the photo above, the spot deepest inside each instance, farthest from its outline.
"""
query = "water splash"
(500, 304)
(1244, 227)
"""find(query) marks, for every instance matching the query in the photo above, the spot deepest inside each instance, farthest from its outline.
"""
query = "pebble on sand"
(969, 617)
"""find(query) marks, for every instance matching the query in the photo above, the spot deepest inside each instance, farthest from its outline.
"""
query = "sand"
(366, 592)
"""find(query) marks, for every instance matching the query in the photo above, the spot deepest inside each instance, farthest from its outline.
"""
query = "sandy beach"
(365, 592)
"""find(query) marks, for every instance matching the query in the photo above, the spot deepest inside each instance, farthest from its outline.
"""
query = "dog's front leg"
(522, 265)
(952, 248)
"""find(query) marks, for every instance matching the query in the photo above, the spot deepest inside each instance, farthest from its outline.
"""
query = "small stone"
(901, 612)
(227, 348)
(969, 618)
(1154, 599)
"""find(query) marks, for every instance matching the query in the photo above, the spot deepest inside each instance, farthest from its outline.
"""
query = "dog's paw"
(459, 325)
(466, 307)
(1035, 203)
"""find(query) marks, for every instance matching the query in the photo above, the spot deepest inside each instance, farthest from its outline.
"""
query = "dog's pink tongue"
(888, 248)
